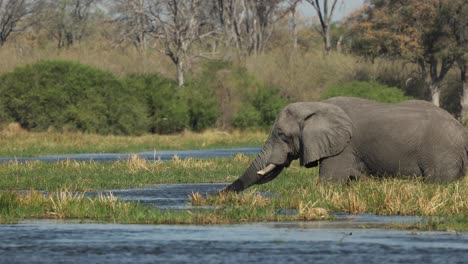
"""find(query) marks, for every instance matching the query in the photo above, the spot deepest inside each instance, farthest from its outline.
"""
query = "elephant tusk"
(266, 170)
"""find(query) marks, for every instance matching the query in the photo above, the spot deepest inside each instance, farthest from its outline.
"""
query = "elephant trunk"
(258, 172)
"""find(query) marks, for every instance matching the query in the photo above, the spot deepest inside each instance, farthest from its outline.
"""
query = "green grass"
(298, 189)
(15, 142)
(103, 208)
(136, 172)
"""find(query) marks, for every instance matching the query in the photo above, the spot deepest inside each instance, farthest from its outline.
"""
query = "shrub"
(368, 90)
(269, 103)
(247, 117)
(260, 110)
(202, 101)
(165, 103)
(5, 118)
(202, 106)
(235, 98)
(66, 95)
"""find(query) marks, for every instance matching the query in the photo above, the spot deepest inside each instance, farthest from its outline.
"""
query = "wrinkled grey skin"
(351, 137)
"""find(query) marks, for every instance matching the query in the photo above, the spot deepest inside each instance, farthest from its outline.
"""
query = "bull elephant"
(351, 137)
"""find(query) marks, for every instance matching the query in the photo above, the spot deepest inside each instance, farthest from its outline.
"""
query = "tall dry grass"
(304, 75)
(380, 197)
(101, 54)
(17, 142)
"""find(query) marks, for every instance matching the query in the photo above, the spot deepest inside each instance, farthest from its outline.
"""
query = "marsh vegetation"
(57, 190)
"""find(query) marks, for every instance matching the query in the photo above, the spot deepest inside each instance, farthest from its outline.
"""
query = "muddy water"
(341, 241)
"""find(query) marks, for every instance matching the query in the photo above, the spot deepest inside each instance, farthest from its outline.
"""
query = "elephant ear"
(325, 133)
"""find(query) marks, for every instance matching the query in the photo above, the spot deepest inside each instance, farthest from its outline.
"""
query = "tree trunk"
(294, 28)
(436, 97)
(464, 96)
(435, 92)
(339, 44)
(180, 72)
(327, 40)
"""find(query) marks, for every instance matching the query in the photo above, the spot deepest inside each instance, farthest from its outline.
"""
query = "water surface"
(54, 242)
(148, 155)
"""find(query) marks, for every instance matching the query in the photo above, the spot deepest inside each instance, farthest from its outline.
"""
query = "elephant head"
(309, 131)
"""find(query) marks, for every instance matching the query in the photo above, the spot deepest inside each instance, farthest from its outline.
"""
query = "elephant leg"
(444, 169)
(340, 168)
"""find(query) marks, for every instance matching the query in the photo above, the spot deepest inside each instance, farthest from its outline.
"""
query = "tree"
(459, 25)
(420, 32)
(248, 24)
(179, 24)
(68, 20)
(132, 22)
(325, 16)
(12, 12)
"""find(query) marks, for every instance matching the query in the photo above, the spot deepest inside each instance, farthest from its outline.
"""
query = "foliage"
(165, 103)
(247, 117)
(260, 110)
(69, 96)
(202, 106)
(368, 90)
(414, 30)
(4, 117)
(426, 33)
(240, 99)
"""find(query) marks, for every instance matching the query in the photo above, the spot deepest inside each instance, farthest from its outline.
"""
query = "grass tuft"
(309, 211)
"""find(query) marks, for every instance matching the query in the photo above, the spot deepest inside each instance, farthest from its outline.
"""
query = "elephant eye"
(282, 136)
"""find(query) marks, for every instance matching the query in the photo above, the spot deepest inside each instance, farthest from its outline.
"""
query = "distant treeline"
(68, 96)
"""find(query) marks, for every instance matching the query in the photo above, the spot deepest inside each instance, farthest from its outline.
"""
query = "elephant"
(349, 138)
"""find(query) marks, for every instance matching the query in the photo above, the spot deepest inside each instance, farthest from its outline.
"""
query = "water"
(54, 242)
(149, 155)
(170, 196)
(340, 241)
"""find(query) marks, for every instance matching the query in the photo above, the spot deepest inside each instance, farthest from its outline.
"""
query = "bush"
(66, 95)
(202, 106)
(202, 98)
(165, 103)
(5, 118)
(247, 117)
(369, 90)
(260, 110)
(269, 103)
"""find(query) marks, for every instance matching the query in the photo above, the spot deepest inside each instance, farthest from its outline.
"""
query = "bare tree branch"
(12, 16)
(325, 16)
(68, 21)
